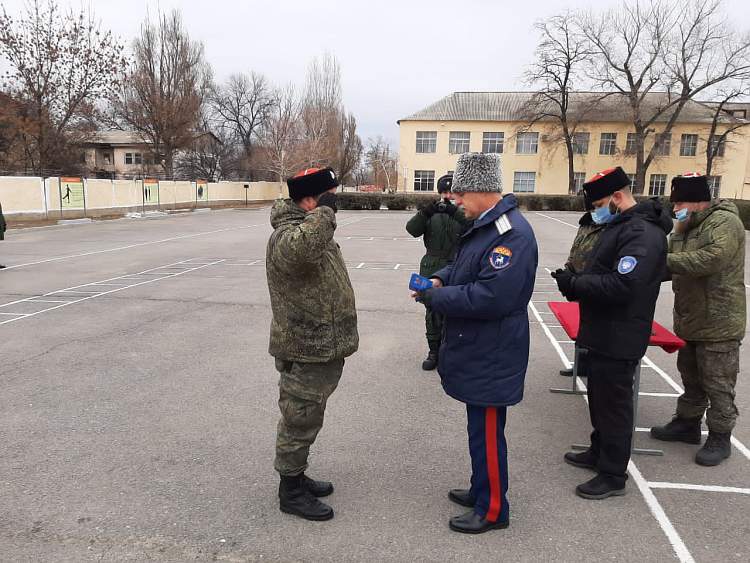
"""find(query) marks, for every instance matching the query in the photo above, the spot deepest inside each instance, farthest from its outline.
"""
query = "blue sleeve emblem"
(627, 264)
(500, 257)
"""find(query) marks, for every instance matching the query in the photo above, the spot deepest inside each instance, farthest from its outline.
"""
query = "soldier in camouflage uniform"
(707, 263)
(583, 244)
(314, 327)
(441, 224)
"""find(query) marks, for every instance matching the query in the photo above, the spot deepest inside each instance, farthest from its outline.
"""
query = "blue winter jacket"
(485, 346)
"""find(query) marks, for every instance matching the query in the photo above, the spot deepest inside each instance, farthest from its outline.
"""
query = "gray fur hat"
(478, 172)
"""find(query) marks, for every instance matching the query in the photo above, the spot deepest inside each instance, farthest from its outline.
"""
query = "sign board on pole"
(71, 193)
(201, 190)
(151, 191)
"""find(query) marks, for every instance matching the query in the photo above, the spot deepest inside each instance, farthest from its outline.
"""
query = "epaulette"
(503, 224)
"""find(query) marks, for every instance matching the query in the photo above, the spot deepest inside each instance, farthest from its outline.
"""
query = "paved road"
(138, 413)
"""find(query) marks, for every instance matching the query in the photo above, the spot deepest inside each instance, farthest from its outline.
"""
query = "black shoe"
(585, 459)
(717, 448)
(686, 430)
(294, 498)
(462, 497)
(567, 372)
(1, 266)
(431, 361)
(472, 523)
(317, 488)
(600, 487)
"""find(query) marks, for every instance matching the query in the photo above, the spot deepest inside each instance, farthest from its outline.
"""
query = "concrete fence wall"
(25, 197)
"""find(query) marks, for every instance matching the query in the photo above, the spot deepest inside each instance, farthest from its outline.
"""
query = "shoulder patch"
(627, 264)
(503, 224)
(500, 257)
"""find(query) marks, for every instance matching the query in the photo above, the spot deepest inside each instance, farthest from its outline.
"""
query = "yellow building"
(534, 158)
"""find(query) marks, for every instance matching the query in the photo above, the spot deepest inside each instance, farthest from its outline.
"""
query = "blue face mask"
(682, 215)
(602, 215)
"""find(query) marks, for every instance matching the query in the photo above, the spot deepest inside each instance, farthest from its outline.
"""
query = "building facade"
(119, 155)
(534, 157)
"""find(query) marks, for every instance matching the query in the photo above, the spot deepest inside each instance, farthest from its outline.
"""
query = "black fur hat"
(689, 188)
(605, 183)
(311, 182)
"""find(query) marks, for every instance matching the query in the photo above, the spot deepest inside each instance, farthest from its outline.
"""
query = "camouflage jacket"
(312, 300)
(707, 263)
(586, 238)
(441, 234)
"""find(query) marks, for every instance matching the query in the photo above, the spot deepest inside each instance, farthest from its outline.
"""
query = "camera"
(442, 206)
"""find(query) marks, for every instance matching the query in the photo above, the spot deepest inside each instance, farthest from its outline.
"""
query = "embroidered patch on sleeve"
(627, 264)
(500, 257)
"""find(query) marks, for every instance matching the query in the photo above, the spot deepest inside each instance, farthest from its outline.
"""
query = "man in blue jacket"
(484, 352)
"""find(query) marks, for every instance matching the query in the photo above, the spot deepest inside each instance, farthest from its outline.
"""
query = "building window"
(657, 184)
(630, 144)
(578, 179)
(608, 143)
(718, 145)
(714, 184)
(688, 144)
(663, 144)
(458, 142)
(426, 141)
(424, 180)
(524, 182)
(137, 158)
(128, 158)
(581, 143)
(527, 143)
(493, 142)
(633, 183)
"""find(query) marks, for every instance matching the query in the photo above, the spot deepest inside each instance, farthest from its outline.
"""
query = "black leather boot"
(585, 459)
(317, 488)
(717, 448)
(686, 430)
(601, 487)
(462, 497)
(431, 361)
(294, 498)
(472, 523)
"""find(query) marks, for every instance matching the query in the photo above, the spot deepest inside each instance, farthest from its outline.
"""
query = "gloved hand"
(565, 282)
(328, 199)
(430, 210)
(424, 297)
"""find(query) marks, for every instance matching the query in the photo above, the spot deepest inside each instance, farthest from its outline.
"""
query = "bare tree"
(349, 145)
(212, 155)
(281, 138)
(320, 110)
(382, 163)
(163, 93)
(560, 56)
(660, 57)
(243, 106)
(61, 65)
(716, 141)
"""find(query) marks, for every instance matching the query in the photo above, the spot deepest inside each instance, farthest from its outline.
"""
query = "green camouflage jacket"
(707, 263)
(440, 233)
(312, 300)
(583, 244)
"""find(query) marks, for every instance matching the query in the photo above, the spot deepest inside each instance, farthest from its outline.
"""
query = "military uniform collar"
(501, 208)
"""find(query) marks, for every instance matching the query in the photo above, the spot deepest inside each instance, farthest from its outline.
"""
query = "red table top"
(570, 320)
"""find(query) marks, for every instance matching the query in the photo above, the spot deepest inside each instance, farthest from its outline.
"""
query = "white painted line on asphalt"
(45, 301)
(678, 545)
(690, 487)
(558, 220)
(126, 247)
(671, 382)
(650, 394)
(360, 266)
(14, 314)
(397, 266)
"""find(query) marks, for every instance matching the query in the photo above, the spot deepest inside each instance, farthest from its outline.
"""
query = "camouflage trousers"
(434, 328)
(709, 375)
(304, 390)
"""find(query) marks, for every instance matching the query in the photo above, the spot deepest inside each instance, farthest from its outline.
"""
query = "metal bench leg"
(574, 389)
(636, 391)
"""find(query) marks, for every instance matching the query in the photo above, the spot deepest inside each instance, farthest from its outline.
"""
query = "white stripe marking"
(690, 487)
(649, 394)
(558, 220)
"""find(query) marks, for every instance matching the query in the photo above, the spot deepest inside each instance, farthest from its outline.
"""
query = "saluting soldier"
(617, 294)
(440, 224)
(314, 327)
(707, 263)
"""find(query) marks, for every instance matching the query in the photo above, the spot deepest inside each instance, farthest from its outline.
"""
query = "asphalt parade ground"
(138, 413)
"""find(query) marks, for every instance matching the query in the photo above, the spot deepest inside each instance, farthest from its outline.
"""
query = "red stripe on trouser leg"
(493, 466)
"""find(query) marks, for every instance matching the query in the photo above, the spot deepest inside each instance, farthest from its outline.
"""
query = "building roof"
(514, 106)
(117, 137)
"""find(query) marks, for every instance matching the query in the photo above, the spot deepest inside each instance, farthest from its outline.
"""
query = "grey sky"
(396, 56)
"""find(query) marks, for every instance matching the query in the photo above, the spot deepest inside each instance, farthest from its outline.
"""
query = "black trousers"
(610, 393)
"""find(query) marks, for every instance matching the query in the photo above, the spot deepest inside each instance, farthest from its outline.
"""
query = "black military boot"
(472, 523)
(568, 372)
(295, 498)
(686, 430)
(462, 497)
(717, 448)
(601, 487)
(585, 459)
(431, 361)
(317, 488)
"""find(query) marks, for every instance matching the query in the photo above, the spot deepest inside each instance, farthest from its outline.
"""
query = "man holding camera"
(440, 224)
(314, 327)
